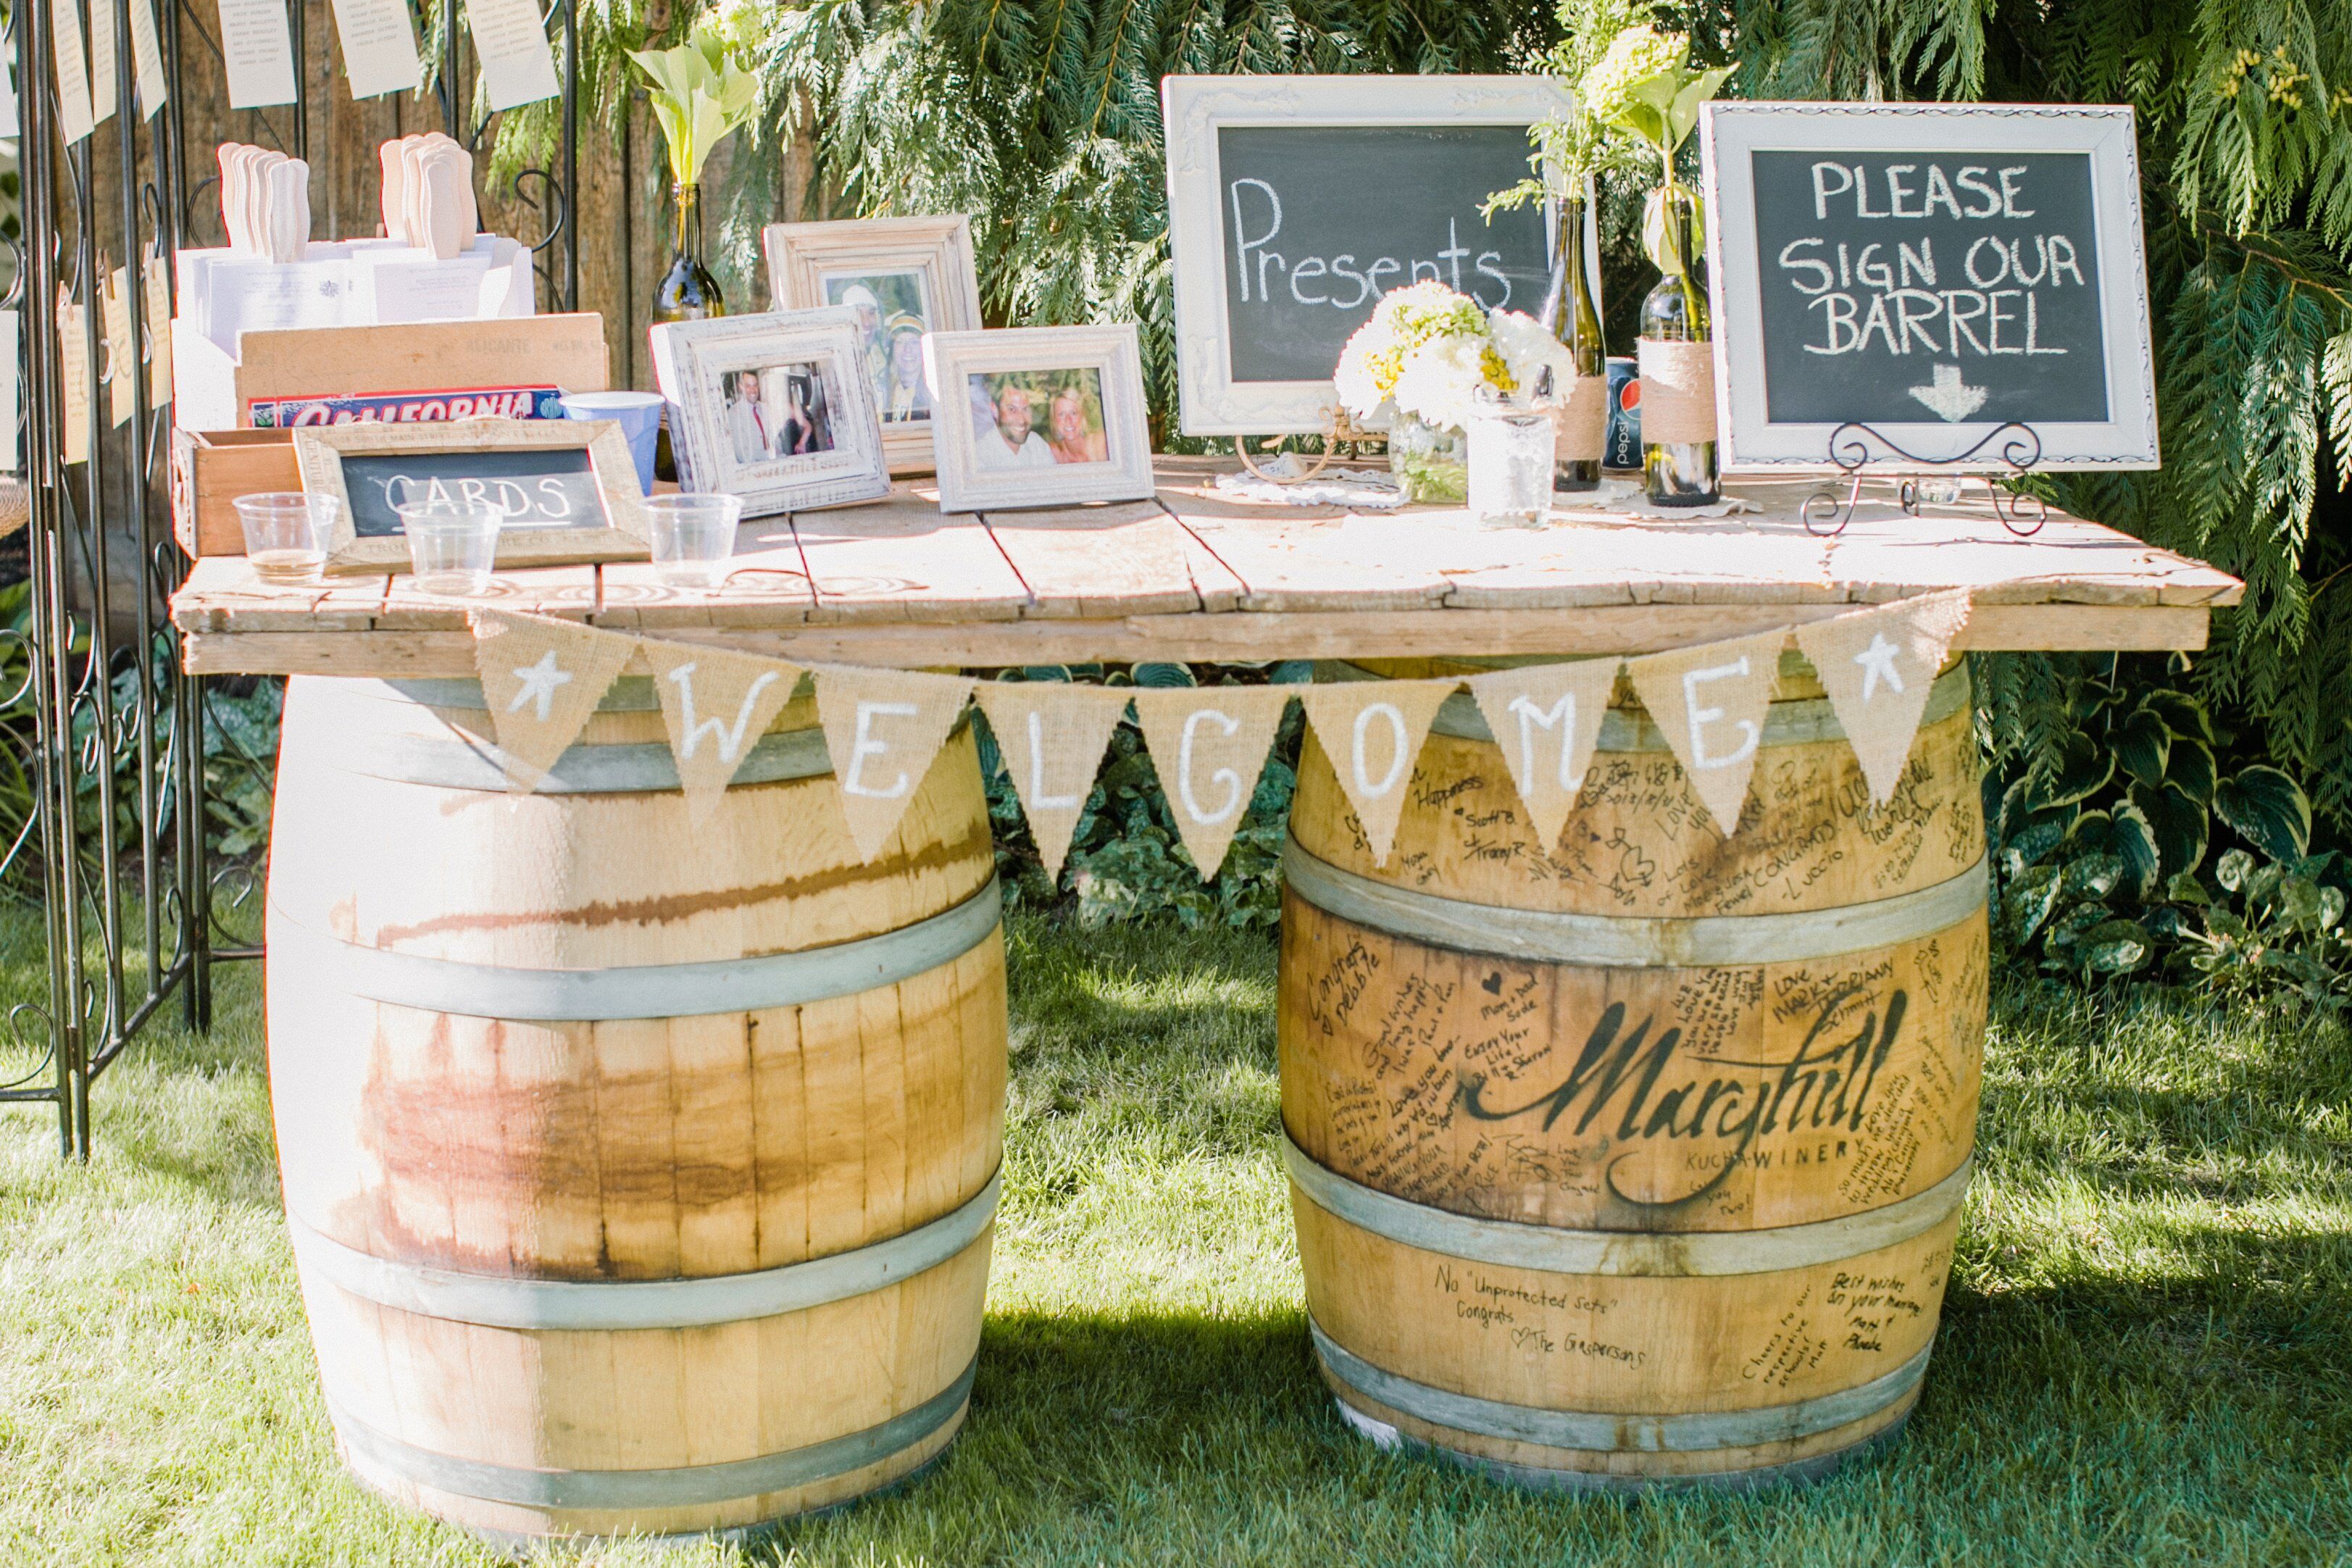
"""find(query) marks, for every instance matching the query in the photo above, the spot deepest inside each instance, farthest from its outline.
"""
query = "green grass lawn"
(2147, 1355)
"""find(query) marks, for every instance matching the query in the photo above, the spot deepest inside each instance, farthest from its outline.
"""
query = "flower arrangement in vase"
(1644, 87)
(702, 91)
(1421, 365)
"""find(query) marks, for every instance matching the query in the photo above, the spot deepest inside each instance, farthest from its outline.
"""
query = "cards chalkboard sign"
(1933, 272)
(568, 488)
(1295, 202)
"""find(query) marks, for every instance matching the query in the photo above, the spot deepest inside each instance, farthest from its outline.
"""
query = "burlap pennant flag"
(541, 678)
(716, 705)
(1373, 731)
(1052, 734)
(1208, 743)
(1709, 703)
(1877, 667)
(882, 728)
(1546, 719)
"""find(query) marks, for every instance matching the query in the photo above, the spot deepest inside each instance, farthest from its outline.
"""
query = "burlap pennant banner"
(882, 728)
(1709, 703)
(716, 705)
(1546, 719)
(1208, 743)
(1052, 734)
(541, 678)
(1876, 666)
(1373, 731)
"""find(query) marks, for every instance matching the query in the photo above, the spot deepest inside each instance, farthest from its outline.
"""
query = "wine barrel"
(1638, 1160)
(641, 1170)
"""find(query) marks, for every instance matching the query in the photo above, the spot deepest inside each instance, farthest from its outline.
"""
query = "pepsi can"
(1621, 444)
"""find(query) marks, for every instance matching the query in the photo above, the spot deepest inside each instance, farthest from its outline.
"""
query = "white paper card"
(158, 324)
(102, 59)
(147, 57)
(510, 39)
(258, 52)
(378, 47)
(9, 124)
(121, 372)
(73, 358)
(11, 408)
(73, 73)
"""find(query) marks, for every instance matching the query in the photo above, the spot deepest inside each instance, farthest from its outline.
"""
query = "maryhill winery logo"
(1659, 1092)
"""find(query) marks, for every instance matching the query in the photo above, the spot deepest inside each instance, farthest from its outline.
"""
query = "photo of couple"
(1038, 418)
(777, 411)
(892, 318)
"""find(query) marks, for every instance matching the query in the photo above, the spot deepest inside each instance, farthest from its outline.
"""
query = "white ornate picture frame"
(1731, 132)
(920, 266)
(1077, 392)
(773, 408)
(1194, 110)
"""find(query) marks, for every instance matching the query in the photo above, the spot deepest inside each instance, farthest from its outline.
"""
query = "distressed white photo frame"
(949, 359)
(1730, 132)
(691, 362)
(1194, 109)
(803, 257)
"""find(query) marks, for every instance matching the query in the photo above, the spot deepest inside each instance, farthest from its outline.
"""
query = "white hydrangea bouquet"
(1424, 362)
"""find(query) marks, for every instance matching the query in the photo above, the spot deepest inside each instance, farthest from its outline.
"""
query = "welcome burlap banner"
(542, 679)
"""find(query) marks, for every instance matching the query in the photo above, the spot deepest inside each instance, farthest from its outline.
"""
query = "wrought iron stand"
(112, 834)
(1854, 446)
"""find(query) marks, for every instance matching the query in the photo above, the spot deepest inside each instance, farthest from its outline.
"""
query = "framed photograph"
(776, 408)
(1295, 202)
(1038, 417)
(904, 277)
(568, 487)
(1942, 283)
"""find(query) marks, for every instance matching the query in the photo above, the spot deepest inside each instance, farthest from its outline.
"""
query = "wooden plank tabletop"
(1200, 575)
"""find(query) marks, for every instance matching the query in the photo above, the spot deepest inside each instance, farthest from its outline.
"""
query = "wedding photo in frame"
(569, 488)
(1032, 416)
(904, 277)
(775, 408)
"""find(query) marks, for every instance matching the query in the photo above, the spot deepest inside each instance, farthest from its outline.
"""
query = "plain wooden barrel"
(1637, 1162)
(640, 1171)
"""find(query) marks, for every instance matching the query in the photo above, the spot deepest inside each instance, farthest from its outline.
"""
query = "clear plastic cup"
(286, 534)
(692, 537)
(451, 545)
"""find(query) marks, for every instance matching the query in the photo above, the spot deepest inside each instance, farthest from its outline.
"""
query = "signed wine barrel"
(1636, 1160)
(641, 1170)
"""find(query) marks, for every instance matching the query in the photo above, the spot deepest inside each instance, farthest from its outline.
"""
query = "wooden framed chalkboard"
(1933, 271)
(1295, 202)
(569, 488)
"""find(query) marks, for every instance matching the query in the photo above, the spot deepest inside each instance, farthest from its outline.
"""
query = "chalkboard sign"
(1931, 272)
(1295, 202)
(536, 490)
(568, 487)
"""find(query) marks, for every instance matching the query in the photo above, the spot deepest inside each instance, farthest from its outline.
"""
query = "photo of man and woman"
(1036, 418)
(892, 317)
(778, 411)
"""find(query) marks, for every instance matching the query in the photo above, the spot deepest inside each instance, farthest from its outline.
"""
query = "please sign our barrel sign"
(1957, 269)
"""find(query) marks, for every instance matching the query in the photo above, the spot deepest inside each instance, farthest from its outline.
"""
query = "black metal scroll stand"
(1826, 514)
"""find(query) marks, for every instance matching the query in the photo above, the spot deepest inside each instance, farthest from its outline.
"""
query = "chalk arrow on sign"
(1952, 400)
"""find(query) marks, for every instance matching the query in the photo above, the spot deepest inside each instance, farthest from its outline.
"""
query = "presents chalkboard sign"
(1942, 276)
(1295, 202)
(568, 488)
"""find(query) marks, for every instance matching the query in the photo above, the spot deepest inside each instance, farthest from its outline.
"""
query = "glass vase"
(688, 291)
(1676, 472)
(1569, 312)
(1431, 463)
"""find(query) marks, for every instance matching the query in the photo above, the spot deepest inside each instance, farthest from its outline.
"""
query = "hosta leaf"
(1164, 675)
(2083, 770)
(2133, 842)
(2142, 746)
(2180, 824)
(2182, 714)
(2267, 809)
(2192, 770)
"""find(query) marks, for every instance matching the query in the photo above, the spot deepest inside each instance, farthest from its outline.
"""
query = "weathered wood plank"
(767, 585)
(902, 559)
(1632, 629)
(1092, 561)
